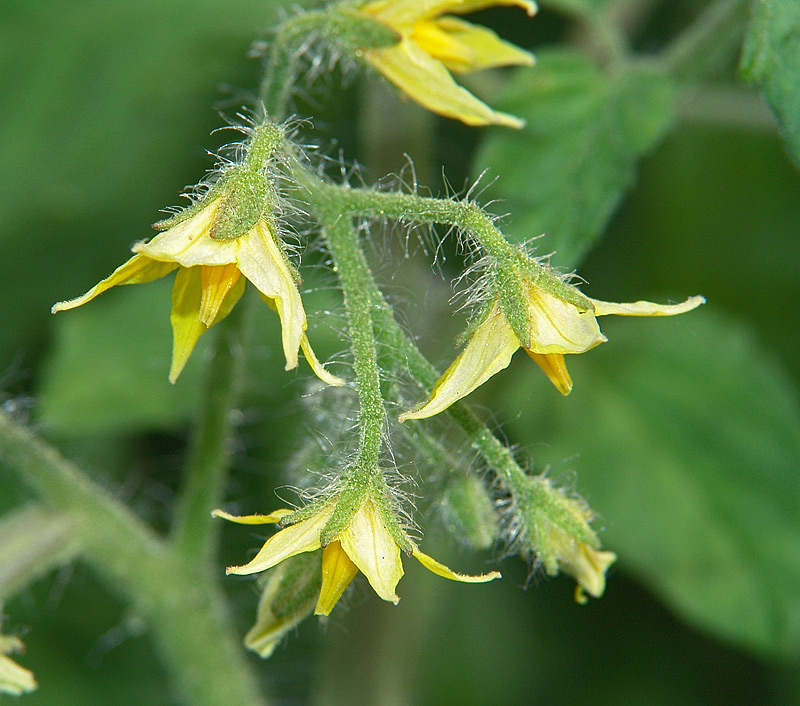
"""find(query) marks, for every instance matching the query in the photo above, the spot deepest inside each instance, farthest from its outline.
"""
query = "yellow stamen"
(338, 571)
(555, 368)
(215, 281)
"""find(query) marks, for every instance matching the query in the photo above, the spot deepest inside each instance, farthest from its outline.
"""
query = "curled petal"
(441, 570)
(316, 366)
(374, 551)
(471, 47)
(558, 326)
(427, 81)
(294, 539)
(189, 242)
(138, 270)
(642, 308)
(462, 7)
(488, 351)
(337, 573)
(272, 518)
(263, 263)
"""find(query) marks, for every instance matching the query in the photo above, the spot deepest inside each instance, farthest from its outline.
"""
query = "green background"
(683, 434)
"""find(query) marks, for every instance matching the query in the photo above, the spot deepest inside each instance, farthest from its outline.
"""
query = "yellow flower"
(432, 46)
(209, 283)
(557, 327)
(13, 679)
(365, 545)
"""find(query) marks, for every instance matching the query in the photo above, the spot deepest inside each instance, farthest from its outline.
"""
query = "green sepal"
(195, 207)
(348, 503)
(551, 281)
(247, 196)
(289, 596)
(383, 500)
(510, 292)
(547, 514)
(355, 32)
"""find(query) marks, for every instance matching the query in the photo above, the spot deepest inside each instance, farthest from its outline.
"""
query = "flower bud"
(289, 596)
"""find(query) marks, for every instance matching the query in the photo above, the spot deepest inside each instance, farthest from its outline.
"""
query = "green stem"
(286, 50)
(709, 42)
(208, 461)
(177, 600)
(355, 276)
(332, 201)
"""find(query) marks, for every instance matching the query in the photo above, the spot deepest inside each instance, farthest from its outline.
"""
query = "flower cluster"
(233, 235)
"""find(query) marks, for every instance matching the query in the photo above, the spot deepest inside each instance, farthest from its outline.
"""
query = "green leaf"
(33, 540)
(574, 6)
(688, 435)
(771, 58)
(565, 173)
(108, 370)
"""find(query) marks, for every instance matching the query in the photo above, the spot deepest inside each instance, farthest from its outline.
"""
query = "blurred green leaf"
(771, 58)
(585, 130)
(689, 437)
(108, 369)
(574, 6)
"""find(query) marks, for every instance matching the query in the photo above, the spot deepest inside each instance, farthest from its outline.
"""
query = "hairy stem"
(355, 277)
(286, 49)
(178, 602)
(333, 200)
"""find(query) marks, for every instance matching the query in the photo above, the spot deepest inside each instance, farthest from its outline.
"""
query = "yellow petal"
(406, 12)
(14, 679)
(138, 270)
(373, 550)
(216, 282)
(186, 326)
(427, 81)
(262, 262)
(558, 326)
(642, 308)
(488, 351)
(555, 368)
(189, 244)
(473, 48)
(337, 573)
(441, 570)
(462, 7)
(273, 517)
(294, 539)
(316, 366)
(433, 39)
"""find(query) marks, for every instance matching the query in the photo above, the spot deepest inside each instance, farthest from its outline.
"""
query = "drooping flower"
(365, 544)
(556, 327)
(14, 679)
(209, 281)
(432, 45)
